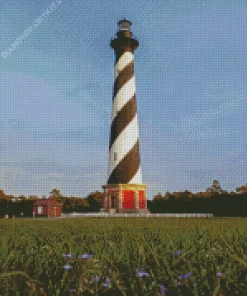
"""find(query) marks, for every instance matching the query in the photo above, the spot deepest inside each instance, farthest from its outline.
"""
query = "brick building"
(47, 207)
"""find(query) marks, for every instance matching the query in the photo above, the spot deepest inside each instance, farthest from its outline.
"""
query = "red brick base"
(125, 198)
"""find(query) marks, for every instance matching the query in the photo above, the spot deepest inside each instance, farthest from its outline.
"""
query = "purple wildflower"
(178, 252)
(179, 283)
(219, 274)
(68, 255)
(71, 291)
(142, 273)
(106, 283)
(185, 276)
(67, 267)
(85, 256)
(163, 289)
(96, 278)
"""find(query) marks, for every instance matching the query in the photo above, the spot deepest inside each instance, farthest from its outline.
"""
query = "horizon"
(163, 193)
(56, 94)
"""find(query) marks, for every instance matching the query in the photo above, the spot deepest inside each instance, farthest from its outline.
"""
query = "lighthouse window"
(124, 26)
(115, 156)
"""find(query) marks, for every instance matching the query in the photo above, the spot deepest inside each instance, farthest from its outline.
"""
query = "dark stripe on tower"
(123, 118)
(124, 76)
(127, 168)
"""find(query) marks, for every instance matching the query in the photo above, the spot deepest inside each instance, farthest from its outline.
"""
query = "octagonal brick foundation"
(125, 198)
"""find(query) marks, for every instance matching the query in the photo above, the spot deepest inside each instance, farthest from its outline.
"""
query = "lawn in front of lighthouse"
(123, 256)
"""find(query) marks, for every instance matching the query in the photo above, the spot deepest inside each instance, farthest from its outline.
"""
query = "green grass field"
(130, 256)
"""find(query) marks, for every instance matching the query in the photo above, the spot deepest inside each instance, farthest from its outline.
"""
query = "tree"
(179, 195)
(69, 204)
(203, 195)
(82, 205)
(2, 194)
(56, 194)
(95, 201)
(158, 204)
(75, 204)
(188, 195)
(242, 189)
(215, 187)
(22, 197)
(168, 195)
(5, 196)
(33, 197)
(158, 197)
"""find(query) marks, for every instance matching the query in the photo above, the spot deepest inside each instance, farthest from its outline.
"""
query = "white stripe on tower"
(124, 156)
(137, 179)
(123, 96)
(123, 61)
(124, 143)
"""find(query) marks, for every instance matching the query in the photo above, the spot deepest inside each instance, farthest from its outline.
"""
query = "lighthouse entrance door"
(112, 205)
(113, 202)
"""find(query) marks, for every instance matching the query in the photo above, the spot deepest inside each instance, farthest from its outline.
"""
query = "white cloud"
(34, 104)
(19, 181)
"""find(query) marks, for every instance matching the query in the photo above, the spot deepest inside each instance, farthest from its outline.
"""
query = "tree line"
(219, 204)
(215, 200)
(23, 206)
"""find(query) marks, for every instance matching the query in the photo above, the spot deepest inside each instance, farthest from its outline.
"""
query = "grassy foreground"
(130, 256)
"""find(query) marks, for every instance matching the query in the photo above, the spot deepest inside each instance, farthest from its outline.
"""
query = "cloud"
(53, 167)
(21, 181)
(232, 173)
(34, 104)
(199, 125)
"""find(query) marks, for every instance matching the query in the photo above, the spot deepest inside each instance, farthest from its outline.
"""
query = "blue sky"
(56, 93)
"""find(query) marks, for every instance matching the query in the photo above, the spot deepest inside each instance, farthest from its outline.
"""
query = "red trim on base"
(128, 199)
(142, 199)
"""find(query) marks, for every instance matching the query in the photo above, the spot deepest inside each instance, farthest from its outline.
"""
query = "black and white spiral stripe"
(124, 155)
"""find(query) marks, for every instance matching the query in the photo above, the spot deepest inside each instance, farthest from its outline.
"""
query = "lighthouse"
(124, 191)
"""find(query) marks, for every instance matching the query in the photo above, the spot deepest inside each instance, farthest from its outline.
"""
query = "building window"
(115, 156)
(39, 210)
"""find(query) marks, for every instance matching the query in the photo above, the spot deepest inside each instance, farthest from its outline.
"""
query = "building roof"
(42, 202)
